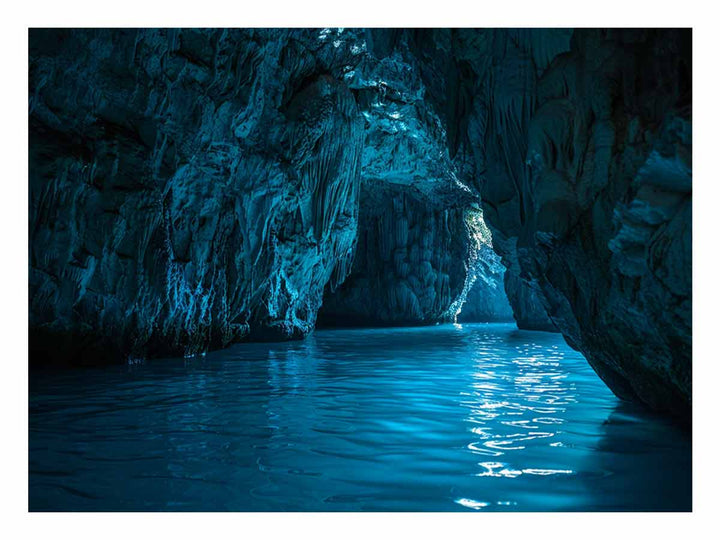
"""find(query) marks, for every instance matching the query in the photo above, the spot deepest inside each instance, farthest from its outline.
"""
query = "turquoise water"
(474, 417)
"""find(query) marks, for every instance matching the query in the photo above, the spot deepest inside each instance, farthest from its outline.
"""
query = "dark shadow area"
(638, 448)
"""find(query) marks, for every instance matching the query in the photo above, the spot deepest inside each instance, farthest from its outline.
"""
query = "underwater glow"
(476, 417)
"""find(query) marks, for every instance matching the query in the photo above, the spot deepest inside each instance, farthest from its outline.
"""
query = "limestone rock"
(187, 188)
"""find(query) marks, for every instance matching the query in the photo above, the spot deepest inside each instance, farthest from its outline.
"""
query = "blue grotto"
(360, 269)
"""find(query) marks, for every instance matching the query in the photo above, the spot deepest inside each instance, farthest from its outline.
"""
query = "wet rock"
(410, 265)
(412, 258)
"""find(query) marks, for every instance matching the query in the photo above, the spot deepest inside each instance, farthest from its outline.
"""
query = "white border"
(17, 523)
(363, 13)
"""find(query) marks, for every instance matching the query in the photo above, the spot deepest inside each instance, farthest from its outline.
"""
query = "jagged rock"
(527, 305)
(582, 154)
(579, 142)
(483, 298)
(411, 264)
(187, 188)
(486, 300)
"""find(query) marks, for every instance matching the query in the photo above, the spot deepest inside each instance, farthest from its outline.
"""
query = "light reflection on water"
(471, 417)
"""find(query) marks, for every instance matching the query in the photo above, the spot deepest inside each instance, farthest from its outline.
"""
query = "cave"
(474, 241)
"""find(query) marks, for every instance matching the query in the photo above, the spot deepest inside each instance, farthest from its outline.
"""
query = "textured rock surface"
(411, 265)
(580, 144)
(582, 149)
(191, 188)
(486, 300)
(187, 188)
(483, 298)
(527, 305)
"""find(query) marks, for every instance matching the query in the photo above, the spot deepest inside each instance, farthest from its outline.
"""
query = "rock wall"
(527, 305)
(413, 251)
(579, 143)
(187, 188)
(582, 149)
(410, 266)
(486, 300)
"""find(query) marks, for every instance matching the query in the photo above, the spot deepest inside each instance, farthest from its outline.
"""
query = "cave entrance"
(415, 265)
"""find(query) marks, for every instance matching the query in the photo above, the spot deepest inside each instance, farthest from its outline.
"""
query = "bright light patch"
(470, 503)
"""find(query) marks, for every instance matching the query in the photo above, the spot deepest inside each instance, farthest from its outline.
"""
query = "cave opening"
(396, 281)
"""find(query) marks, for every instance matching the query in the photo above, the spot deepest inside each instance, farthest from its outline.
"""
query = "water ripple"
(470, 417)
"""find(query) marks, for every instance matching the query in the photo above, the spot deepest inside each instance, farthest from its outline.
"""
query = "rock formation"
(411, 264)
(191, 188)
(583, 157)
(527, 304)
(483, 298)
(486, 300)
(188, 188)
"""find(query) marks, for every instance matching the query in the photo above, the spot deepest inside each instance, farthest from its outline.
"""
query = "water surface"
(476, 417)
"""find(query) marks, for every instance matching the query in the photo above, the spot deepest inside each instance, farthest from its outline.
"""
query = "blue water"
(473, 417)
